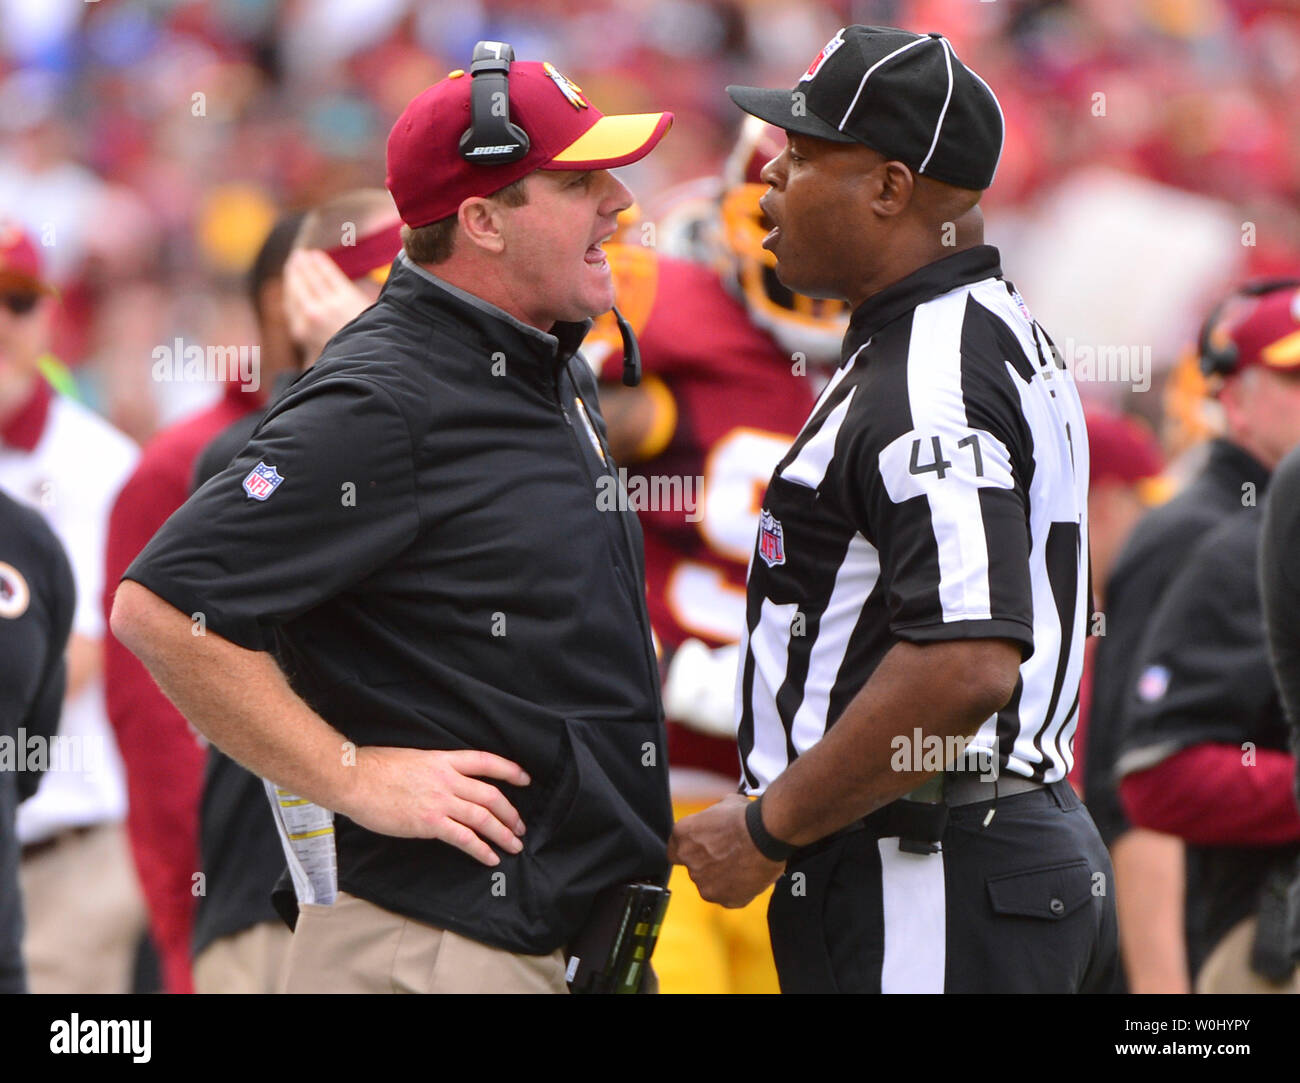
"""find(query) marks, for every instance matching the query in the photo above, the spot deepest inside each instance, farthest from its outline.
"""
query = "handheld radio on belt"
(612, 951)
(493, 139)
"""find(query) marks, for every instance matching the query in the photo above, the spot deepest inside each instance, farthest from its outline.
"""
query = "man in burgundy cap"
(416, 534)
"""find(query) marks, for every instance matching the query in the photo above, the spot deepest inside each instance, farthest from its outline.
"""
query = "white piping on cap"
(947, 59)
(1003, 139)
(901, 49)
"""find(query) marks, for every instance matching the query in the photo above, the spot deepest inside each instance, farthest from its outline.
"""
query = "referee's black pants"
(1019, 903)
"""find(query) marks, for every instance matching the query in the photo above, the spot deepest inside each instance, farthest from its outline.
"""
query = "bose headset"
(1222, 360)
(492, 139)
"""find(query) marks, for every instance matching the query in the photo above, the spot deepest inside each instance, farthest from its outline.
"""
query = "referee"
(918, 593)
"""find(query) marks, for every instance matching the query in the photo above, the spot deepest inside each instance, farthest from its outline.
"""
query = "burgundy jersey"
(729, 404)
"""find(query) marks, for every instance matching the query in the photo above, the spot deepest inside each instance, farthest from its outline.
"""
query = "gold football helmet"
(800, 324)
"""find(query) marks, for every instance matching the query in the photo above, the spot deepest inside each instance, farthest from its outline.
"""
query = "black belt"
(969, 789)
(918, 824)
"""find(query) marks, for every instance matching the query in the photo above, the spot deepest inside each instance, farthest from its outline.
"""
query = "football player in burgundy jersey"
(730, 361)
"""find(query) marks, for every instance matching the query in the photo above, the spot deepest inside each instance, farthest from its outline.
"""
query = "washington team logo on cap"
(771, 539)
(262, 481)
(571, 91)
(827, 50)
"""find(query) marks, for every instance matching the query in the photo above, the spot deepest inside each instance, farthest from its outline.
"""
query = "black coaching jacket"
(414, 530)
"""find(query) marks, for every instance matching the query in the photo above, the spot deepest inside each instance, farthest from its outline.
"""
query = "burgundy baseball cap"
(1265, 330)
(20, 260)
(1122, 450)
(429, 179)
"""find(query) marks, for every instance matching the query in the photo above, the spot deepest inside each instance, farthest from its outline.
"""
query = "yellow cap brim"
(1284, 353)
(1155, 491)
(613, 141)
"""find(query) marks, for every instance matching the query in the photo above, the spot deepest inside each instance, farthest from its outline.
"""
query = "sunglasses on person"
(20, 303)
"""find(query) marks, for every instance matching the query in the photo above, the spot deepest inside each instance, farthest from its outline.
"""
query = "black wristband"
(770, 847)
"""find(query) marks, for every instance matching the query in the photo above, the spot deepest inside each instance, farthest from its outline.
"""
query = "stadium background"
(1150, 159)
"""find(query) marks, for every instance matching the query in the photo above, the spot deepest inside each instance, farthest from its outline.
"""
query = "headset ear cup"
(1223, 362)
(1215, 360)
(491, 138)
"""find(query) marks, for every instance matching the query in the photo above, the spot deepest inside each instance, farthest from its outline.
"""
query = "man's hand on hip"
(239, 699)
(721, 858)
(414, 793)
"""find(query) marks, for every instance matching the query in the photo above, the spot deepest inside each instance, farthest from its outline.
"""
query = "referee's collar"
(959, 269)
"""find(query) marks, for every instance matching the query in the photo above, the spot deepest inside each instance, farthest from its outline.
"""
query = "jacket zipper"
(638, 603)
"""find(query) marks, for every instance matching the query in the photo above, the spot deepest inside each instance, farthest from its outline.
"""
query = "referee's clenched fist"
(919, 578)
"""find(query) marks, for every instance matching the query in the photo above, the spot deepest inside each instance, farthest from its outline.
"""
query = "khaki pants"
(84, 912)
(1227, 970)
(252, 960)
(357, 947)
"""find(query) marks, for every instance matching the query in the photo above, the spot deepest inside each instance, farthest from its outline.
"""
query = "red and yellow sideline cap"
(1265, 330)
(428, 178)
(20, 260)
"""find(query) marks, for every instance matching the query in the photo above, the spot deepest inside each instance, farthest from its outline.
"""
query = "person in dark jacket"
(37, 596)
(1279, 584)
(1203, 752)
(416, 530)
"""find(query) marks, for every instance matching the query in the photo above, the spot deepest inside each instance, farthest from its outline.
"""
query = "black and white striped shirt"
(938, 491)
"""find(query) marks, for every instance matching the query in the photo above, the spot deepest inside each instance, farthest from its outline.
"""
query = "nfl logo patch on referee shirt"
(771, 539)
(262, 481)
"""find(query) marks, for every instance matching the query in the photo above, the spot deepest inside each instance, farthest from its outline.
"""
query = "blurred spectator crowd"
(150, 143)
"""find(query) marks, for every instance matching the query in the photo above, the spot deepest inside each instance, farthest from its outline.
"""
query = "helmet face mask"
(809, 326)
(812, 326)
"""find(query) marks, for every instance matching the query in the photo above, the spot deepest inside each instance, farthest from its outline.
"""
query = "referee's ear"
(895, 184)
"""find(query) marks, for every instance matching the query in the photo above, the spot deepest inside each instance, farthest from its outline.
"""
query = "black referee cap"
(904, 95)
